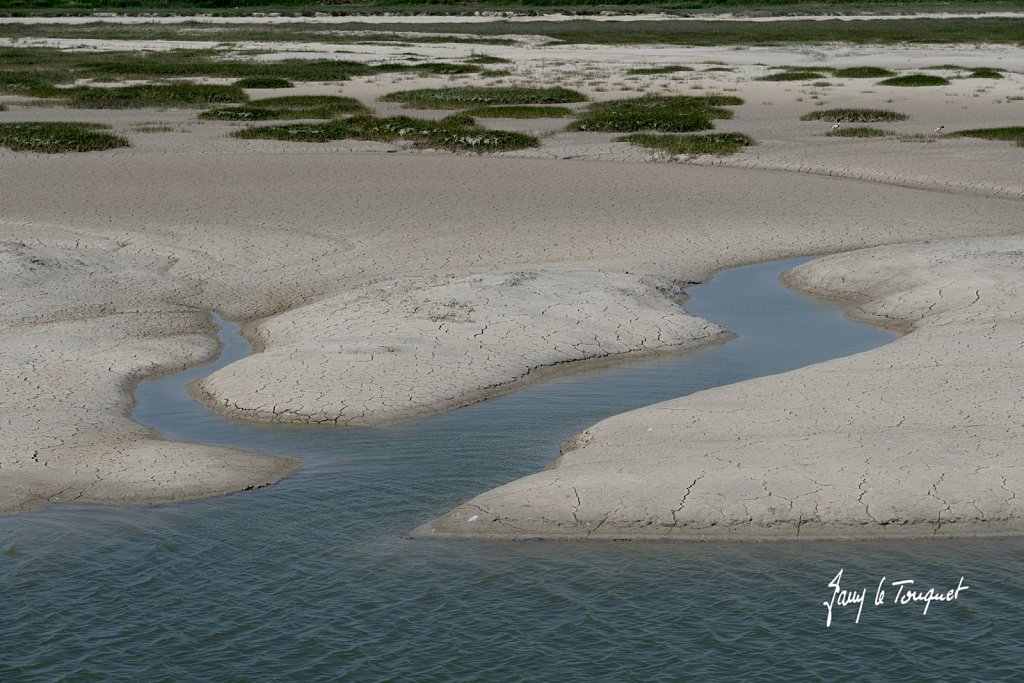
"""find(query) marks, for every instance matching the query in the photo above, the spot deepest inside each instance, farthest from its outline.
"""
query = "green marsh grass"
(721, 144)
(456, 98)
(855, 115)
(1009, 134)
(250, 114)
(962, 30)
(29, 82)
(183, 95)
(915, 81)
(793, 76)
(455, 133)
(264, 83)
(859, 132)
(487, 59)
(675, 114)
(985, 73)
(657, 70)
(289, 107)
(863, 72)
(56, 138)
(334, 103)
(520, 112)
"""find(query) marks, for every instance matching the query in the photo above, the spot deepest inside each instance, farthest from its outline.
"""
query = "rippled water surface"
(313, 578)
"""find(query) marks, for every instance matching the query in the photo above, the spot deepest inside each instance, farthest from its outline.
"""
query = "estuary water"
(314, 579)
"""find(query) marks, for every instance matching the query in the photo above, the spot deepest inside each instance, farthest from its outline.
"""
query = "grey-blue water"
(313, 578)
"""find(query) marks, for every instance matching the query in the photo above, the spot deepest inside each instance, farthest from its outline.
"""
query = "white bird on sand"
(939, 129)
(835, 126)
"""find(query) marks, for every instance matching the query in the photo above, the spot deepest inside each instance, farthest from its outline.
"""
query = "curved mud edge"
(400, 348)
(536, 375)
(912, 439)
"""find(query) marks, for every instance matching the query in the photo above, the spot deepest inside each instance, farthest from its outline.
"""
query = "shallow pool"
(313, 578)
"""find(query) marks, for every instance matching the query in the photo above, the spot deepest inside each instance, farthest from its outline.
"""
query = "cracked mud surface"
(402, 347)
(921, 437)
(387, 270)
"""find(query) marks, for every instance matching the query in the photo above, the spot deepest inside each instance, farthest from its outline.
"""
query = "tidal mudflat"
(413, 229)
(390, 254)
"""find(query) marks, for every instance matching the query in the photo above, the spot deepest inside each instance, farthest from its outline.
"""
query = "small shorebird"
(835, 126)
(939, 129)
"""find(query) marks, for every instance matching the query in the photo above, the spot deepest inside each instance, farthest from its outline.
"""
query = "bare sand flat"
(414, 265)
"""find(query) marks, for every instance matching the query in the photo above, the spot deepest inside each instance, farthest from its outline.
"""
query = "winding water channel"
(314, 579)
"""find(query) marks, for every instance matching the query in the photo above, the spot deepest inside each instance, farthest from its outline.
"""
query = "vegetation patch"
(248, 114)
(960, 30)
(46, 67)
(488, 59)
(793, 76)
(519, 112)
(55, 138)
(443, 69)
(863, 72)
(1010, 134)
(656, 70)
(143, 96)
(335, 104)
(720, 144)
(263, 83)
(289, 107)
(859, 132)
(151, 129)
(457, 133)
(457, 98)
(915, 81)
(854, 115)
(674, 114)
(30, 82)
(985, 73)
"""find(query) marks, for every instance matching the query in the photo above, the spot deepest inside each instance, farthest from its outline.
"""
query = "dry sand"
(405, 267)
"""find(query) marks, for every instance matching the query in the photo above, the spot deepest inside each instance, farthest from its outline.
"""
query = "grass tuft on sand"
(456, 133)
(488, 59)
(289, 107)
(719, 144)
(457, 98)
(915, 81)
(57, 137)
(657, 70)
(264, 83)
(863, 72)
(854, 115)
(185, 95)
(1009, 134)
(985, 72)
(674, 114)
(859, 132)
(793, 76)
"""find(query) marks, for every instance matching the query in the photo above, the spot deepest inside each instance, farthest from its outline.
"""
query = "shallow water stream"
(313, 578)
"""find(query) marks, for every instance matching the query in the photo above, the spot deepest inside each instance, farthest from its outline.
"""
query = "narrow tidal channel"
(314, 579)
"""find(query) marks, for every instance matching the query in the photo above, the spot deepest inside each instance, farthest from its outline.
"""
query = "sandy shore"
(382, 286)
